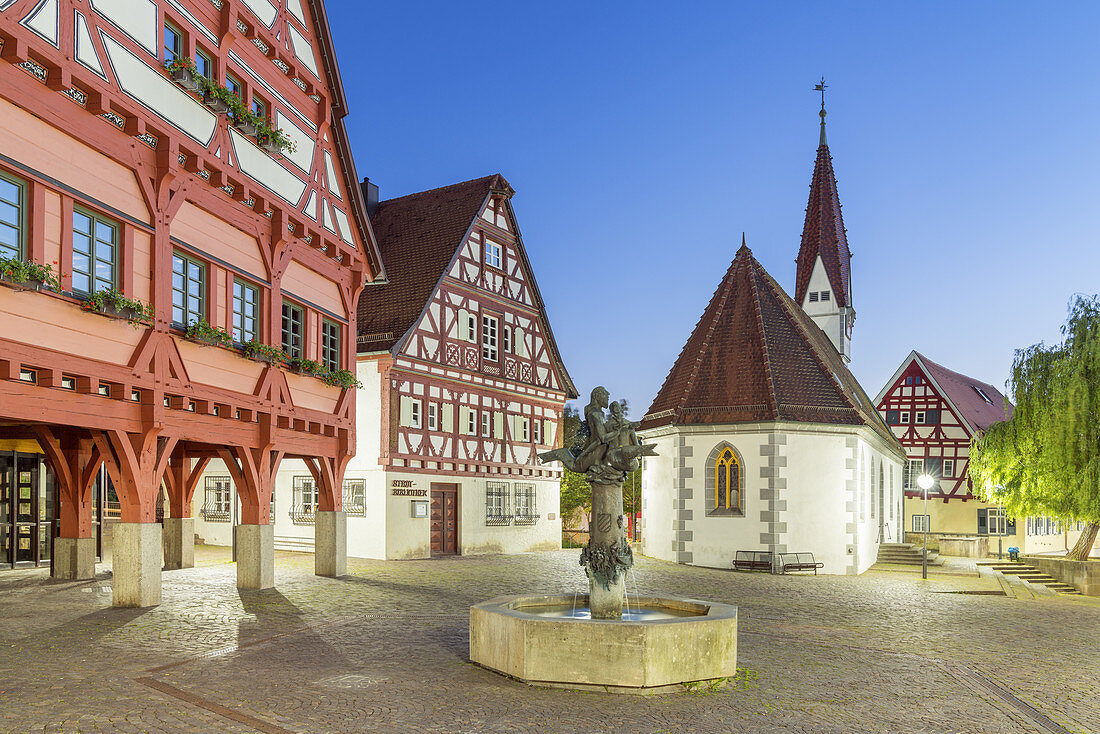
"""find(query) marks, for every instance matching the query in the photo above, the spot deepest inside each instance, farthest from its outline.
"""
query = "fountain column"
(605, 557)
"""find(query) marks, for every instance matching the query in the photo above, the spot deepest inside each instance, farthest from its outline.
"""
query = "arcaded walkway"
(384, 650)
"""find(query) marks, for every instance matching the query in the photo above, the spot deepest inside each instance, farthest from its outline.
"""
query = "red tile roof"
(756, 356)
(418, 235)
(823, 234)
(962, 392)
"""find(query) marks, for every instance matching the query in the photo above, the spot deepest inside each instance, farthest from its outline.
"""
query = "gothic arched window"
(727, 482)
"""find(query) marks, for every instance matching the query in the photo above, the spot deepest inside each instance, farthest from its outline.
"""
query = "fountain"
(656, 645)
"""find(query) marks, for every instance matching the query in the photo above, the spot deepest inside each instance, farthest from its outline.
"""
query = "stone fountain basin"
(510, 636)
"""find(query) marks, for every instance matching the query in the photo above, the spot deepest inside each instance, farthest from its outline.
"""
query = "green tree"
(1045, 459)
(575, 492)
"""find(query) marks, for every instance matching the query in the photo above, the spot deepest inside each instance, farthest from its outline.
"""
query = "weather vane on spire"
(821, 87)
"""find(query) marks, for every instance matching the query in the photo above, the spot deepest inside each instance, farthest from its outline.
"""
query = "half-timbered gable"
(471, 384)
(190, 155)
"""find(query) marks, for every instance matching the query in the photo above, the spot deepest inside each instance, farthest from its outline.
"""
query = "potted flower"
(304, 366)
(202, 332)
(217, 99)
(340, 378)
(257, 350)
(116, 304)
(273, 140)
(184, 73)
(26, 275)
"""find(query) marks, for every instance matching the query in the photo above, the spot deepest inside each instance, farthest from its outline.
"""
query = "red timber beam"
(253, 472)
(136, 463)
(181, 479)
(75, 462)
(328, 473)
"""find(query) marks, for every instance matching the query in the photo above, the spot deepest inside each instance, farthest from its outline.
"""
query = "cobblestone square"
(384, 649)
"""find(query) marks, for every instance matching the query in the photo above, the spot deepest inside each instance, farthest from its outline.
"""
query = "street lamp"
(925, 482)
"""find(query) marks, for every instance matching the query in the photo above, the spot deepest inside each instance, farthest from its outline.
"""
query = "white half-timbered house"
(463, 383)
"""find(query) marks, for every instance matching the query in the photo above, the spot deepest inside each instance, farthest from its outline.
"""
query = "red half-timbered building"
(117, 171)
(465, 381)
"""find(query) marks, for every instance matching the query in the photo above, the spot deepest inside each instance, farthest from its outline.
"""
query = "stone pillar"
(330, 552)
(179, 542)
(255, 556)
(607, 557)
(136, 564)
(73, 558)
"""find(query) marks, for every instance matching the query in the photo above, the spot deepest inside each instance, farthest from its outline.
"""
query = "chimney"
(370, 193)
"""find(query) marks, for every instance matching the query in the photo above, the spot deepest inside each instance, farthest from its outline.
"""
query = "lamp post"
(925, 481)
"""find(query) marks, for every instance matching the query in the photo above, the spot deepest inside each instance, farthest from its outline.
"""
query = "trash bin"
(1013, 553)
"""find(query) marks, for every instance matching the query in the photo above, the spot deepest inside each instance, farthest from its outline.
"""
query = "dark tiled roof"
(823, 234)
(962, 391)
(418, 235)
(756, 356)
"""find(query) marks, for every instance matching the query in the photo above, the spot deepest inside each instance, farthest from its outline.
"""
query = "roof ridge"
(956, 373)
(437, 189)
(755, 294)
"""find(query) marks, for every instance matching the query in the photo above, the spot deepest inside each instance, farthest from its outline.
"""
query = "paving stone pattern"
(384, 649)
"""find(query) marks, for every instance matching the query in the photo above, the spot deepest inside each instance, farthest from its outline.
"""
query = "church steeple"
(823, 285)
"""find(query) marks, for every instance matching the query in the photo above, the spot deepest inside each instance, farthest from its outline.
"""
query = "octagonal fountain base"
(548, 641)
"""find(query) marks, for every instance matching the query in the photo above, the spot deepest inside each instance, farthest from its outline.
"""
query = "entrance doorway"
(444, 519)
(27, 510)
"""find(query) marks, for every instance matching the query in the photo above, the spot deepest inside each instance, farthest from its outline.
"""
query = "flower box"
(23, 285)
(246, 127)
(110, 309)
(269, 144)
(216, 104)
(185, 79)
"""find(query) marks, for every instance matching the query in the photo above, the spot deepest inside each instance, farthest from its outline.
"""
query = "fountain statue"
(586, 641)
(612, 450)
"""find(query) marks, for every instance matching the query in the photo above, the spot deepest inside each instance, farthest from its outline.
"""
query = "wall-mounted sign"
(405, 488)
(419, 508)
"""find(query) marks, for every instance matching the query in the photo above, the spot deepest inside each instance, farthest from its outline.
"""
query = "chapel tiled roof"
(756, 356)
(962, 392)
(418, 236)
(823, 233)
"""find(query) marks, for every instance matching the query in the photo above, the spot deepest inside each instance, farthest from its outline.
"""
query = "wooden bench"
(799, 562)
(752, 561)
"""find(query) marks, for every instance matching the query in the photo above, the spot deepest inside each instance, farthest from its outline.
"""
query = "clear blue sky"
(642, 138)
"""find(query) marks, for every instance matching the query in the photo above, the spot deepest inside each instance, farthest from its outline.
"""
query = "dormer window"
(982, 393)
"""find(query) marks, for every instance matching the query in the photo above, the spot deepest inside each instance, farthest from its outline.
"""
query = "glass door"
(7, 508)
(26, 516)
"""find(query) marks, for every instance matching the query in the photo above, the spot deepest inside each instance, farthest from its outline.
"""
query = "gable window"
(303, 510)
(204, 65)
(95, 252)
(217, 504)
(246, 304)
(526, 513)
(330, 345)
(355, 498)
(727, 483)
(948, 467)
(489, 325)
(496, 504)
(492, 254)
(813, 296)
(188, 290)
(12, 216)
(173, 43)
(293, 329)
(824, 295)
(433, 417)
(905, 416)
(919, 417)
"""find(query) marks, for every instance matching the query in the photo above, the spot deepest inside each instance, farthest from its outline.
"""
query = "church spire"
(823, 279)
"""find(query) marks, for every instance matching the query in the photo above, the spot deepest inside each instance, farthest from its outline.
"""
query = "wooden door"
(444, 519)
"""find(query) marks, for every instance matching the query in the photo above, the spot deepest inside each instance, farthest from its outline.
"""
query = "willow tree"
(1045, 459)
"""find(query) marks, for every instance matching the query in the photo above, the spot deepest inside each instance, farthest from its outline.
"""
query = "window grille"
(355, 498)
(526, 509)
(303, 510)
(813, 296)
(496, 504)
(217, 504)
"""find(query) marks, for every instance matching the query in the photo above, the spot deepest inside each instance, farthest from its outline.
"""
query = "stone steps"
(905, 554)
(1030, 576)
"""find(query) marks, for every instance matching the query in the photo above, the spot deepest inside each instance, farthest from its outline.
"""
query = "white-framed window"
(919, 417)
(489, 326)
(433, 417)
(414, 413)
(536, 431)
(218, 503)
(411, 415)
(492, 254)
(948, 467)
(496, 504)
(922, 523)
(303, 509)
(526, 511)
(913, 469)
(998, 521)
(904, 416)
(355, 497)
(486, 424)
(524, 429)
(506, 338)
(471, 422)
